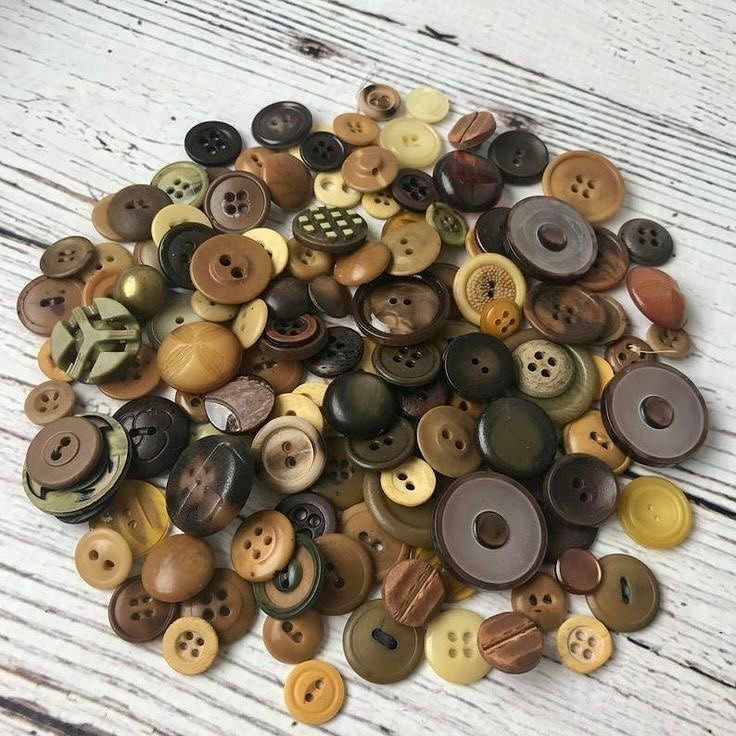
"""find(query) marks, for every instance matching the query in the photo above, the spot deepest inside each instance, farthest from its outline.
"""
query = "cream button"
(414, 143)
(427, 104)
(451, 648)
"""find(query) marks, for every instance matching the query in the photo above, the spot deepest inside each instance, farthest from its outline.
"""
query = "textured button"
(190, 645)
(250, 322)
(412, 592)
(176, 249)
(332, 229)
(520, 155)
(414, 143)
(451, 648)
(309, 513)
(511, 642)
(385, 450)
(237, 201)
(413, 189)
(414, 365)
(314, 692)
(355, 129)
(136, 617)
(332, 190)
(584, 644)
(449, 224)
(478, 367)
(213, 143)
(654, 512)
(543, 369)
(409, 484)
(446, 439)
(240, 406)
(379, 101)
(471, 130)
(672, 344)
(380, 205)
(611, 262)
(588, 181)
(588, 435)
(578, 571)
(294, 640)
(103, 558)
(363, 265)
(263, 544)
(500, 318)
(281, 124)
(173, 215)
(657, 296)
(468, 182)
(48, 402)
(648, 242)
(43, 302)
(184, 181)
(370, 169)
(627, 351)
(66, 257)
(349, 574)
(542, 600)
(490, 230)
(130, 212)
(321, 151)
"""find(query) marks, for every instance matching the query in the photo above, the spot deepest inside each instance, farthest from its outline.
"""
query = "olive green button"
(451, 648)
(184, 181)
(450, 225)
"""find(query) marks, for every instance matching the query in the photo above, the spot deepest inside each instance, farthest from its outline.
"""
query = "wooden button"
(478, 367)
(672, 344)
(306, 263)
(66, 257)
(342, 479)
(139, 377)
(380, 205)
(409, 484)
(446, 439)
(136, 617)
(364, 265)
(288, 180)
(467, 182)
(511, 642)
(43, 302)
(564, 314)
(103, 558)
(520, 155)
(263, 544)
(240, 406)
(584, 644)
(414, 143)
(578, 571)
(332, 190)
(648, 242)
(349, 574)
(543, 369)
(657, 296)
(471, 130)
(252, 159)
(250, 322)
(616, 320)
(379, 101)
(588, 435)
(611, 262)
(331, 229)
(451, 647)
(190, 645)
(282, 375)
(341, 353)
(314, 692)
(355, 129)
(412, 592)
(295, 639)
(542, 600)
(48, 402)
(370, 169)
(627, 351)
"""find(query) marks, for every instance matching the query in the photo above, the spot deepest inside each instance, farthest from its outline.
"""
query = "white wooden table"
(96, 95)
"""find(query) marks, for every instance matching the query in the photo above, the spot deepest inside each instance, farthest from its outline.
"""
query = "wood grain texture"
(96, 95)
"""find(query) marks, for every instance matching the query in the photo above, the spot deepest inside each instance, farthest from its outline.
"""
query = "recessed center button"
(491, 529)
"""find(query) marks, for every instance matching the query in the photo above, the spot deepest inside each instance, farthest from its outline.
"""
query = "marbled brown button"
(43, 302)
(137, 617)
(379, 101)
(564, 314)
(295, 639)
(370, 169)
(236, 202)
(363, 265)
(511, 642)
(412, 592)
(627, 351)
(416, 401)
(349, 574)
(293, 339)
(240, 406)
(330, 297)
(130, 212)
(288, 180)
(578, 571)
(610, 265)
(471, 130)
(468, 182)
(542, 600)
(657, 296)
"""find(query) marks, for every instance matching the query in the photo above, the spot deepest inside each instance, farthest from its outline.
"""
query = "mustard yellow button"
(587, 434)
(313, 390)
(450, 646)
(380, 205)
(654, 512)
(427, 104)
(250, 322)
(330, 189)
(274, 244)
(584, 644)
(314, 692)
(414, 143)
(298, 405)
(175, 214)
(103, 558)
(605, 374)
(409, 484)
(190, 645)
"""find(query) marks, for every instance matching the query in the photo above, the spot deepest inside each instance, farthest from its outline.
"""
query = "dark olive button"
(378, 648)
(520, 155)
(309, 513)
(450, 225)
(490, 230)
(293, 339)
(384, 450)
(516, 437)
(359, 405)
(561, 537)
(287, 297)
(213, 143)
(416, 401)
(132, 209)
(66, 257)
(568, 315)
(414, 190)
(281, 124)
(489, 531)
(581, 490)
(330, 229)
(578, 571)
(330, 297)
(323, 151)
(43, 302)
(240, 406)
(628, 351)
(159, 432)
(627, 598)
(610, 265)
(410, 365)
(467, 182)
(137, 617)
(177, 248)
(478, 367)
(654, 413)
(648, 242)
(237, 201)
(341, 353)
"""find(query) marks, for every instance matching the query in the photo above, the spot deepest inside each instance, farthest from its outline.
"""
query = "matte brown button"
(511, 642)
(627, 351)
(379, 101)
(384, 450)
(306, 263)
(342, 479)
(627, 598)
(236, 202)
(564, 314)
(657, 296)
(295, 639)
(349, 574)
(471, 130)
(282, 375)
(130, 212)
(263, 544)
(137, 617)
(446, 439)
(413, 248)
(177, 568)
(673, 344)
(43, 302)
(330, 297)
(288, 180)
(616, 320)
(363, 265)
(412, 592)
(48, 402)
(108, 257)
(648, 242)
(414, 365)
(370, 169)
(542, 600)
(561, 537)
(66, 257)
(355, 129)
(251, 160)
(610, 265)
(578, 571)
(103, 558)
(226, 603)
(240, 406)
(138, 378)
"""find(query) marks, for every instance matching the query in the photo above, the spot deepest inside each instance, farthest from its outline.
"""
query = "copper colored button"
(294, 639)
(236, 202)
(288, 180)
(263, 544)
(627, 351)
(363, 265)
(137, 617)
(355, 129)
(370, 169)
(578, 571)
(282, 375)
(471, 130)
(251, 160)
(446, 439)
(568, 315)
(48, 402)
(43, 302)
(511, 642)
(412, 592)
(542, 600)
(379, 101)
(103, 558)
(349, 574)
(66, 257)
(657, 296)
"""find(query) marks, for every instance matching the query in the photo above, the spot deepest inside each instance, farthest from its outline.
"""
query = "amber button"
(263, 544)
(605, 374)
(370, 169)
(657, 296)
(190, 645)
(578, 571)
(355, 129)
(314, 692)
(48, 402)
(543, 600)
(588, 435)
(237, 201)
(99, 284)
(500, 318)
(446, 439)
(584, 644)
(467, 182)
(363, 265)
(103, 558)
(137, 617)
(138, 378)
(43, 302)
(295, 639)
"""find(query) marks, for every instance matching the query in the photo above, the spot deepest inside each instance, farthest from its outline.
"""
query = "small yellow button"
(298, 405)
(605, 374)
(250, 322)
(450, 646)
(427, 104)
(175, 214)
(500, 318)
(330, 189)
(587, 434)
(314, 692)
(409, 484)
(274, 244)
(190, 645)
(313, 390)
(654, 512)
(584, 644)
(414, 143)
(380, 205)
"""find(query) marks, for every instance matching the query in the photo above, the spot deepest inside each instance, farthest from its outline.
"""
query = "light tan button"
(294, 640)
(274, 244)
(313, 390)
(99, 284)
(305, 263)
(584, 644)
(138, 513)
(587, 181)
(672, 344)
(145, 253)
(175, 214)
(471, 244)
(355, 129)
(103, 558)
(380, 205)
(297, 405)
(331, 189)
(413, 248)
(250, 322)
(108, 257)
(403, 217)
(409, 484)
(212, 311)
(139, 377)
(427, 104)
(446, 439)
(251, 160)
(47, 365)
(263, 544)
(314, 692)
(414, 143)
(193, 405)
(543, 368)
(450, 646)
(100, 221)
(485, 277)
(587, 434)
(190, 645)
(605, 374)
(370, 169)
(48, 402)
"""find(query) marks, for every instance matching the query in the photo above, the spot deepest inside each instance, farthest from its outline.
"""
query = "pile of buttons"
(434, 444)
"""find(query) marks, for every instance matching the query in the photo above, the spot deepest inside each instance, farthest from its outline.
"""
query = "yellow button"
(414, 143)
(455, 590)
(380, 205)
(212, 311)
(500, 318)
(190, 645)
(587, 434)
(274, 244)
(298, 405)
(584, 644)
(450, 646)
(605, 374)
(654, 512)
(427, 104)
(175, 214)
(330, 189)
(314, 692)
(103, 558)
(250, 322)
(313, 390)
(409, 484)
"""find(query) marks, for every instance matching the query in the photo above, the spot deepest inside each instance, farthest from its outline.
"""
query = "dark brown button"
(296, 639)
(414, 365)
(561, 536)
(240, 406)
(627, 598)
(416, 401)
(581, 490)
(342, 480)
(611, 262)
(66, 257)
(349, 574)
(414, 190)
(568, 315)
(508, 534)
(288, 180)
(236, 202)
(137, 617)
(446, 438)
(511, 642)
(616, 320)
(467, 182)
(471, 130)
(340, 354)
(131, 211)
(370, 169)
(309, 513)
(542, 600)
(293, 339)
(282, 375)
(383, 450)
(521, 156)
(446, 273)
(363, 265)
(331, 229)
(655, 414)
(657, 296)
(412, 592)
(176, 249)
(213, 143)
(379, 101)
(490, 230)
(287, 297)
(227, 603)
(43, 302)
(330, 297)
(648, 242)
(627, 351)
(578, 571)
(478, 366)
(323, 151)
(281, 124)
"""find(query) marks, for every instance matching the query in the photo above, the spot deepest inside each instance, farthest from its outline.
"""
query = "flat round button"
(332, 190)
(281, 124)
(66, 257)
(309, 513)
(370, 169)
(341, 353)
(564, 314)
(427, 104)
(451, 648)
(240, 406)
(584, 644)
(48, 402)
(213, 143)
(250, 322)
(190, 645)
(500, 318)
(672, 344)
(380, 205)
(323, 151)
(415, 190)
(628, 351)
(130, 212)
(587, 434)
(611, 262)
(542, 600)
(103, 559)
(520, 155)
(99, 284)
(648, 242)
(385, 450)
(468, 182)
(136, 617)
(511, 642)
(282, 375)
(478, 367)
(184, 181)
(108, 257)
(415, 365)
(349, 574)
(543, 368)
(211, 311)
(176, 249)
(294, 640)
(413, 248)
(193, 405)
(654, 512)
(379, 101)
(588, 181)
(379, 649)
(657, 296)
(237, 201)
(314, 692)
(627, 598)
(331, 229)
(409, 484)
(100, 221)
(252, 159)
(263, 544)
(490, 230)
(43, 302)
(355, 129)
(446, 439)
(578, 571)
(414, 143)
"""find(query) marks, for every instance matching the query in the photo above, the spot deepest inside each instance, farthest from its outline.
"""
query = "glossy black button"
(359, 405)
(309, 513)
(490, 230)
(478, 366)
(648, 242)
(282, 124)
(410, 365)
(414, 190)
(323, 151)
(213, 143)
(517, 438)
(158, 430)
(287, 297)
(341, 353)
(176, 249)
(416, 401)
(385, 450)
(468, 182)
(521, 156)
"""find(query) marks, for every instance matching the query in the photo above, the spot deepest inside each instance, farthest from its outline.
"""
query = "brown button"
(413, 248)
(627, 351)
(363, 265)
(236, 202)
(100, 220)
(578, 571)
(108, 257)
(471, 130)
(330, 297)
(657, 296)
(263, 544)
(370, 169)
(190, 645)
(137, 617)
(282, 375)
(66, 257)
(227, 603)
(230, 269)
(342, 480)
(288, 180)
(199, 357)
(355, 129)
(349, 574)
(138, 378)
(130, 212)
(588, 435)
(48, 402)
(193, 405)
(673, 344)
(616, 320)
(43, 302)
(379, 101)
(412, 592)
(610, 265)
(305, 262)
(177, 568)
(542, 600)
(294, 639)
(568, 315)
(402, 218)
(251, 160)
(99, 284)
(103, 558)
(446, 439)
(240, 406)
(332, 229)
(511, 642)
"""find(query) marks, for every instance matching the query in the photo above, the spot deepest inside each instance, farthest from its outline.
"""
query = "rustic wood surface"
(95, 95)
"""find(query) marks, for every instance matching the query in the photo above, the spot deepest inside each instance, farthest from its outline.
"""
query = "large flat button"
(349, 574)
(137, 617)
(451, 647)
(569, 315)
(446, 439)
(44, 301)
(263, 544)
(411, 483)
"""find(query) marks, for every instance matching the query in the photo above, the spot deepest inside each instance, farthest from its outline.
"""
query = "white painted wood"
(97, 95)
